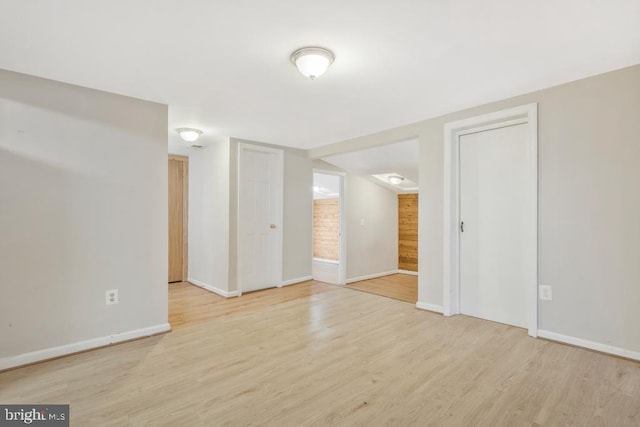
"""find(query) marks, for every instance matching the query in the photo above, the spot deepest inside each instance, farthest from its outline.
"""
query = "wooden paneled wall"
(326, 228)
(408, 232)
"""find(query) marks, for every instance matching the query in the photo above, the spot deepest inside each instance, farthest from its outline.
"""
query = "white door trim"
(342, 265)
(278, 196)
(451, 245)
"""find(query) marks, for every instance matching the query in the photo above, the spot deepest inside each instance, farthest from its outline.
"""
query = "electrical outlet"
(544, 292)
(111, 297)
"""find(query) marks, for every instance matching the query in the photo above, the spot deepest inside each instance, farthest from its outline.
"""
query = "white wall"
(589, 203)
(372, 228)
(209, 215)
(298, 214)
(83, 209)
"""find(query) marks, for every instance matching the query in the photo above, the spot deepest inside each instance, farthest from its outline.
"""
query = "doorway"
(491, 217)
(328, 264)
(178, 177)
(382, 217)
(260, 217)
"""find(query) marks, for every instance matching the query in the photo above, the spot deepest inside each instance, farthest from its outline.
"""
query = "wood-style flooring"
(189, 304)
(316, 354)
(403, 287)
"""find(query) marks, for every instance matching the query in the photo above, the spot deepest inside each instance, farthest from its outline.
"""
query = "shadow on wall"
(52, 251)
(39, 247)
(72, 101)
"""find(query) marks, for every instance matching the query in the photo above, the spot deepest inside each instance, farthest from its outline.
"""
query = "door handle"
(462, 227)
(272, 226)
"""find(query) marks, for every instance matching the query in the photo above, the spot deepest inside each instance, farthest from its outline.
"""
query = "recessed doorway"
(381, 200)
(329, 263)
(178, 177)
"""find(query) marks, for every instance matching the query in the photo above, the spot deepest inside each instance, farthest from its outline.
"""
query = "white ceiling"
(328, 186)
(223, 66)
(400, 158)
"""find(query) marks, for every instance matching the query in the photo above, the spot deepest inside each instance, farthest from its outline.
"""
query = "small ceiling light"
(312, 62)
(189, 134)
(395, 179)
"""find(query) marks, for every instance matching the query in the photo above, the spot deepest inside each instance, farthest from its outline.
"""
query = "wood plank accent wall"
(326, 228)
(408, 232)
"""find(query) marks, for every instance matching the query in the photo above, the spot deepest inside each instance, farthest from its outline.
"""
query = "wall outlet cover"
(545, 293)
(111, 297)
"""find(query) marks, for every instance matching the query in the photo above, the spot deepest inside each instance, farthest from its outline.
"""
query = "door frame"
(278, 197)
(451, 245)
(185, 212)
(342, 253)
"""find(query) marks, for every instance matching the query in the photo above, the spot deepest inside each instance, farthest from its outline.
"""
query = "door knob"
(272, 226)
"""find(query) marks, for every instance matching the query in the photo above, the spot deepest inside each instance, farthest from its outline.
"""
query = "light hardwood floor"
(403, 287)
(189, 304)
(316, 354)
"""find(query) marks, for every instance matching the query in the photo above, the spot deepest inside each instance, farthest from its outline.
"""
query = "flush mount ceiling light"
(395, 179)
(399, 182)
(189, 134)
(312, 62)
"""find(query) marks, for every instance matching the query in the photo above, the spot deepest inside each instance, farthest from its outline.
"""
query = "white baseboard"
(326, 261)
(604, 348)
(326, 272)
(429, 307)
(213, 289)
(295, 281)
(372, 276)
(63, 350)
(411, 273)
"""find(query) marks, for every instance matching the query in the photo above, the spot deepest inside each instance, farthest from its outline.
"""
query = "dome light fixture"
(189, 134)
(311, 61)
(396, 179)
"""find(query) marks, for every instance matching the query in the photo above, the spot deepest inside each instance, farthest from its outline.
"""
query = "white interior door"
(260, 218)
(493, 215)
